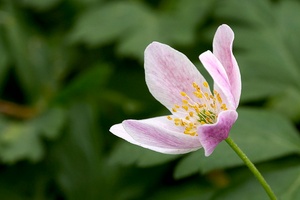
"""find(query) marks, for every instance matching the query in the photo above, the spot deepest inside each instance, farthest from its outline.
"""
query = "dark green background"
(70, 69)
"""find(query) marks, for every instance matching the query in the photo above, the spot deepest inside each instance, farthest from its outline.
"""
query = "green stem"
(252, 168)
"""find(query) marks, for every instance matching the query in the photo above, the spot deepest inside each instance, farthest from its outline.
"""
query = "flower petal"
(222, 49)
(158, 134)
(169, 72)
(119, 131)
(210, 135)
(218, 73)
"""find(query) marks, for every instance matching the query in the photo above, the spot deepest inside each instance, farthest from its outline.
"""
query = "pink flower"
(200, 118)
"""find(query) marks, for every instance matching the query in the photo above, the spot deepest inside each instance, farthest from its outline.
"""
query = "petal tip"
(153, 44)
(225, 27)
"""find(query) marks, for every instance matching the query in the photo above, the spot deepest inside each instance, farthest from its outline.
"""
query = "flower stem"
(252, 168)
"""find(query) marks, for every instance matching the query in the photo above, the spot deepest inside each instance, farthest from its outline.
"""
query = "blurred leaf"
(40, 4)
(86, 2)
(138, 155)
(78, 156)
(288, 16)
(250, 133)
(255, 12)
(269, 61)
(25, 181)
(257, 89)
(268, 57)
(4, 63)
(186, 191)
(119, 155)
(134, 25)
(82, 172)
(88, 83)
(188, 165)
(103, 24)
(150, 158)
(285, 182)
(22, 140)
(17, 39)
(287, 103)
(181, 21)
(128, 105)
(51, 122)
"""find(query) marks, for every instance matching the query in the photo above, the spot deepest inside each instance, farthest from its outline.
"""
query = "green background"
(70, 69)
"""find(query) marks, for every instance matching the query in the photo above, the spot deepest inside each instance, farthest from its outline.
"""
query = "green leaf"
(188, 165)
(287, 103)
(262, 135)
(30, 56)
(51, 122)
(151, 158)
(285, 182)
(255, 13)
(22, 140)
(287, 16)
(104, 24)
(125, 153)
(89, 83)
(78, 156)
(17, 43)
(258, 89)
(187, 191)
(4, 63)
(181, 20)
(134, 25)
(41, 4)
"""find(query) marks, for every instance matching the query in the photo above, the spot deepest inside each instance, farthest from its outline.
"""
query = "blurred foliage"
(69, 69)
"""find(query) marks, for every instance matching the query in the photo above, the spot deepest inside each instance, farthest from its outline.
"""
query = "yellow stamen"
(184, 101)
(205, 84)
(223, 107)
(191, 114)
(183, 94)
(185, 107)
(197, 110)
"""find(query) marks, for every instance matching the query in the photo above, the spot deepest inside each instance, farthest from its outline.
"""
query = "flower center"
(203, 108)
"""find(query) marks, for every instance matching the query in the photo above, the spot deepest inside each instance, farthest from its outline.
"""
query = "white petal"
(217, 72)
(158, 134)
(222, 49)
(169, 72)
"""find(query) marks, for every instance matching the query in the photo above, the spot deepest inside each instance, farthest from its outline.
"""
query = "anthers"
(202, 108)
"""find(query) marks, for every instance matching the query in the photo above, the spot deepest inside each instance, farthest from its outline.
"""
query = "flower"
(200, 118)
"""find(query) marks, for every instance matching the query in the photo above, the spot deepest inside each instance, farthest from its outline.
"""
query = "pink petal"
(158, 134)
(169, 72)
(210, 135)
(119, 131)
(218, 73)
(222, 49)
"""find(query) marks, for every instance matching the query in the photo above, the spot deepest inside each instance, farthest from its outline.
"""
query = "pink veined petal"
(222, 49)
(119, 131)
(210, 135)
(217, 72)
(158, 134)
(169, 72)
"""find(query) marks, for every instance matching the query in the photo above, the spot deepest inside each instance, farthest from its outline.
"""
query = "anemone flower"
(199, 117)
